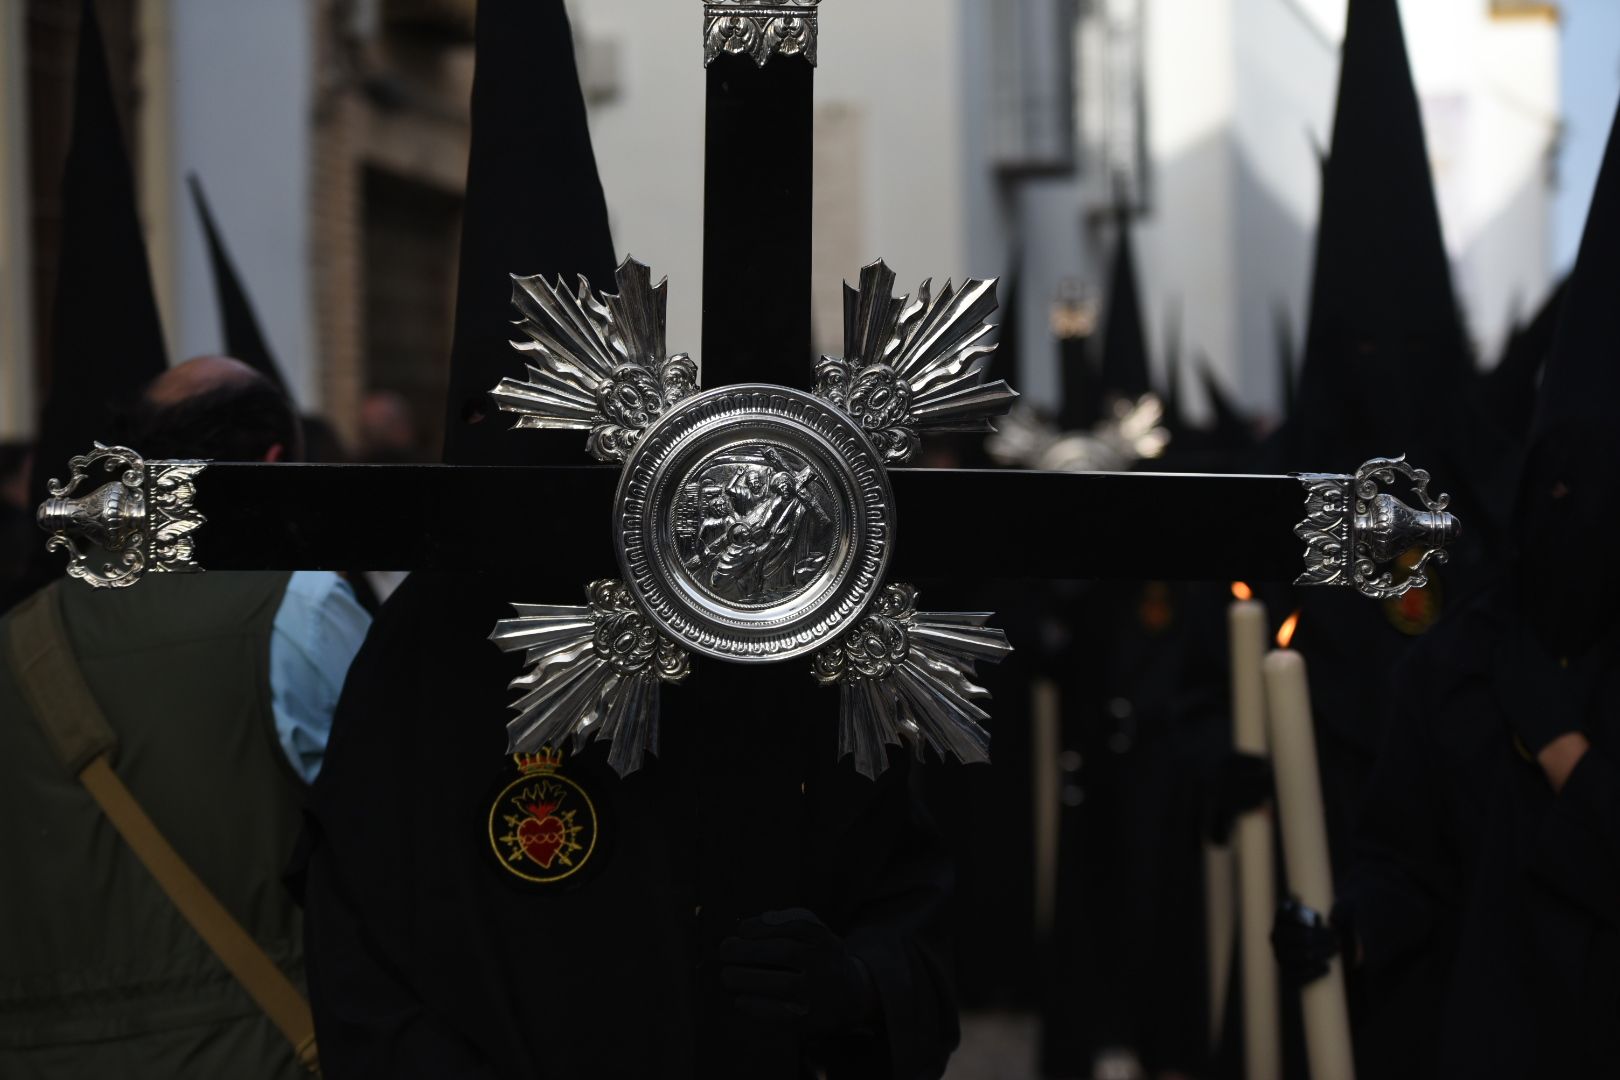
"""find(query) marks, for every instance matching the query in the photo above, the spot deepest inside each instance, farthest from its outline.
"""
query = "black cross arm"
(951, 522)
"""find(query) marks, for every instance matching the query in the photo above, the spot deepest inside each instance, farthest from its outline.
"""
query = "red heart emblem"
(541, 837)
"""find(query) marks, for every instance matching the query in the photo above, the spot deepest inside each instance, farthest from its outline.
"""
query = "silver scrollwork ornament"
(601, 364)
(593, 673)
(915, 365)
(143, 518)
(905, 677)
(1353, 529)
(759, 29)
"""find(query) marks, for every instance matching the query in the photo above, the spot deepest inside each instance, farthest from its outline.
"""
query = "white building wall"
(1186, 243)
(240, 93)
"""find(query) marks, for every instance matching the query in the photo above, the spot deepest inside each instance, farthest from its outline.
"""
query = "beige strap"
(78, 730)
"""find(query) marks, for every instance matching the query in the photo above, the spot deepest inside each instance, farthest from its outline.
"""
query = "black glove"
(1543, 695)
(786, 967)
(1242, 782)
(1305, 943)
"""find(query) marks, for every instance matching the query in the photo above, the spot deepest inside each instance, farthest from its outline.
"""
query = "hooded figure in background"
(743, 906)
(107, 339)
(1483, 908)
(1387, 371)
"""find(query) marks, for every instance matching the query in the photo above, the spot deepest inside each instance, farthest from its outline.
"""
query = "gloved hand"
(787, 967)
(1305, 943)
(1242, 782)
(1544, 696)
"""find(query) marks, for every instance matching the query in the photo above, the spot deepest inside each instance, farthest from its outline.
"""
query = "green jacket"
(99, 974)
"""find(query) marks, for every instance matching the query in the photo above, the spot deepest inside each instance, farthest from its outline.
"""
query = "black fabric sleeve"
(368, 1021)
(1401, 875)
(1578, 847)
(361, 891)
(900, 884)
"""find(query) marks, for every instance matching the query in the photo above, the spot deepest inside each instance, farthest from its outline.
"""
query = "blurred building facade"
(331, 136)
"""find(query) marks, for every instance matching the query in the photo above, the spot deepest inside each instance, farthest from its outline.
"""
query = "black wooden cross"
(160, 516)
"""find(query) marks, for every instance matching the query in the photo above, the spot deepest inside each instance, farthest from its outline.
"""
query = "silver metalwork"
(1133, 432)
(906, 677)
(760, 29)
(754, 522)
(593, 673)
(143, 518)
(914, 365)
(1353, 530)
(602, 365)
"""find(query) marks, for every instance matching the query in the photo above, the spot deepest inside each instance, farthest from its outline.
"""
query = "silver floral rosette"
(752, 523)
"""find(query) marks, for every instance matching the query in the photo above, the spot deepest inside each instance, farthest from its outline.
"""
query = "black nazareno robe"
(430, 958)
(1488, 907)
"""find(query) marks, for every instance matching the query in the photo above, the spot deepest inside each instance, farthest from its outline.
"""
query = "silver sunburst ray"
(915, 365)
(906, 678)
(600, 362)
(593, 672)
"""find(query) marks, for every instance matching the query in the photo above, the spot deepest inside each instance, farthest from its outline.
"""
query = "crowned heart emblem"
(542, 825)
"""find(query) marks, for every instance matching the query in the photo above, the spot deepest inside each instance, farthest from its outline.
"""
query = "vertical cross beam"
(757, 192)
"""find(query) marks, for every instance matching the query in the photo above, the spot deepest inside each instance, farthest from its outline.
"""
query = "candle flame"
(1242, 591)
(1285, 633)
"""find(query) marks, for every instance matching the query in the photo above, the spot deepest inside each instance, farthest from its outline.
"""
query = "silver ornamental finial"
(1353, 530)
(143, 517)
(761, 29)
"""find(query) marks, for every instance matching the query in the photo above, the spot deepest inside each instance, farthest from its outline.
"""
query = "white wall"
(240, 94)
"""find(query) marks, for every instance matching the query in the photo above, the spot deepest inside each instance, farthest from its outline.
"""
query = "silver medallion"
(754, 522)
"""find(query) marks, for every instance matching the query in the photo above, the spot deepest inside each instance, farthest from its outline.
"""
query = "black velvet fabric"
(1487, 906)
(428, 959)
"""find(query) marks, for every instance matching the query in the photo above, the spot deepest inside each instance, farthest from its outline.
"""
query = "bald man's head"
(218, 408)
(197, 376)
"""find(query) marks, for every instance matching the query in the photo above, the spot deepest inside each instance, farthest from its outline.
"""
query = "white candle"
(1256, 883)
(1305, 854)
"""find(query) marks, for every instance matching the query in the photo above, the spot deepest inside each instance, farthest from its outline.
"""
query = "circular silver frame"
(717, 425)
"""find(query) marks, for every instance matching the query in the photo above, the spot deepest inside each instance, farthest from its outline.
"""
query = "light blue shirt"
(318, 629)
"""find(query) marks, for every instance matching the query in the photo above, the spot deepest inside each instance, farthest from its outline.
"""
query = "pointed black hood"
(1124, 344)
(534, 206)
(1569, 498)
(107, 337)
(244, 339)
(1387, 368)
(1081, 402)
(1509, 389)
(1175, 400)
(1230, 430)
(1287, 359)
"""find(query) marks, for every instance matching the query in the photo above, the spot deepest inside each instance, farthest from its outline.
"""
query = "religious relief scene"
(755, 525)
(771, 539)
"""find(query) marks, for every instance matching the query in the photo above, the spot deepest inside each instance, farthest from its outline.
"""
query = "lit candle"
(1305, 849)
(1256, 884)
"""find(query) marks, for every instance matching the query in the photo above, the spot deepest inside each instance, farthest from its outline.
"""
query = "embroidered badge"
(1417, 611)
(542, 826)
